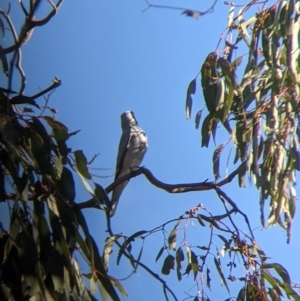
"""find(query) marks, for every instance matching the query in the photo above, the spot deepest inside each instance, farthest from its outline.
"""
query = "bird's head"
(128, 118)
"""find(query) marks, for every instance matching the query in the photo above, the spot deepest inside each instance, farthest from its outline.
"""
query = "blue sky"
(111, 57)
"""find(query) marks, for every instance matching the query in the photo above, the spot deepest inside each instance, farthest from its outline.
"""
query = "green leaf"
(189, 101)
(228, 99)
(103, 292)
(82, 244)
(60, 131)
(40, 279)
(198, 119)
(10, 134)
(109, 242)
(22, 99)
(2, 28)
(178, 223)
(226, 242)
(290, 292)
(37, 126)
(101, 195)
(92, 286)
(57, 229)
(81, 164)
(127, 242)
(194, 264)
(168, 265)
(102, 275)
(227, 70)
(206, 130)
(282, 272)
(3, 61)
(119, 286)
(68, 217)
(188, 254)
(209, 79)
(27, 253)
(241, 294)
(27, 110)
(251, 292)
(266, 42)
(172, 239)
(269, 278)
(82, 222)
(208, 279)
(160, 253)
(219, 101)
(43, 240)
(79, 285)
(219, 269)
(66, 185)
(216, 161)
(188, 106)
(40, 154)
(200, 220)
(2, 187)
(74, 133)
(274, 295)
(179, 259)
(188, 269)
(256, 249)
(237, 62)
(192, 87)
(139, 257)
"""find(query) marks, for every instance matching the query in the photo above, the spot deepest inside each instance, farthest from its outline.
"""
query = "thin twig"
(200, 13)
(130, 257)
(223, 195)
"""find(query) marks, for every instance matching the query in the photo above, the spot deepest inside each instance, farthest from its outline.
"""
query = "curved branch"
(171, 188)
(56, 82)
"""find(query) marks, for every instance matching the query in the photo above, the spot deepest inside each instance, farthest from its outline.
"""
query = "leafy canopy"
(48, 232)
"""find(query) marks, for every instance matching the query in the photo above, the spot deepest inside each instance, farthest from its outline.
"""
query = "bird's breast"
(136, 150)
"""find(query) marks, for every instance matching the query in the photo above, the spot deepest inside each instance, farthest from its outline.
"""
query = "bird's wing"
(123, 146)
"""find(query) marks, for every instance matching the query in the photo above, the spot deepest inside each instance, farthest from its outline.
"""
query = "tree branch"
(187, 11)
(56, 82)
(171, 188)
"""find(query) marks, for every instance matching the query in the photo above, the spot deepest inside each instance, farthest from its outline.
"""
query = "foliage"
(260, 111)
(48, 232)
(46, 227)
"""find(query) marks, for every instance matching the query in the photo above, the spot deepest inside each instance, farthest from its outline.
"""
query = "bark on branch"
(171, 188)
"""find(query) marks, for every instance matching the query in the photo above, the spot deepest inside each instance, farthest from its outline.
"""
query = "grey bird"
(132, 148)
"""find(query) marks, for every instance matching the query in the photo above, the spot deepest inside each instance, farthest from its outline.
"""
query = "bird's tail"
(115, 198)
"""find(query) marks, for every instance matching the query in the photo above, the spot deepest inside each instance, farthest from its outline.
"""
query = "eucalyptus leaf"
(172, 239)
(168, 265)
(81, 164)
(219, 269)
(22, 99)
(160, 253)
(3, 61)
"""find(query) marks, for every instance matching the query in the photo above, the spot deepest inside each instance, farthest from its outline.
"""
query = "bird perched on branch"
(132, 148)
